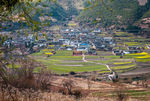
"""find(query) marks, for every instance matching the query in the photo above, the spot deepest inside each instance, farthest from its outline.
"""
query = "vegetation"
(125, 15)
(112, 12)
(123, 67)
(122, 63)
(50, 74)
(64, 62)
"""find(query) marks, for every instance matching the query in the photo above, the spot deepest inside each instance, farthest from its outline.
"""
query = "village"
(75, 39)
(74, 50)
(84, 44)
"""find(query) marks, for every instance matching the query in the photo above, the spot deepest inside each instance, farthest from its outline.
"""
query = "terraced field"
(64, 62)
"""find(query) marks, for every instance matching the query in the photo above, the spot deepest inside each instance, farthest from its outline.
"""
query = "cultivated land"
(64, 62)
(131, 67)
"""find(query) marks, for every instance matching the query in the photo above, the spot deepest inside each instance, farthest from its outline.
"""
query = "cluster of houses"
(130, 50)
(84, 40)
(71, 39)
(76, 39)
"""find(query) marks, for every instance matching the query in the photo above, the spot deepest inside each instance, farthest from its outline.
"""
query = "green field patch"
(143, 57)
(132, 43)
(122, 34)
(37, 69)
(112, 57)
(69, 58)
(91, 57)
(122, 63)
(132, 56)
(143, 60)
(138, 92)
(131, 93)
(121, 48)
(139, 57)
(137, 54)
(66, 69)
(37, 53)
(105, 71)
(14, 66)
(63, 53)
(126, 70)
(55, 63)
(59, 63)
(79, 63)
(105, 61)
(123, 67)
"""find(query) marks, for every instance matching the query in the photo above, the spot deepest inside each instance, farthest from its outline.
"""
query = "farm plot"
(64, 62)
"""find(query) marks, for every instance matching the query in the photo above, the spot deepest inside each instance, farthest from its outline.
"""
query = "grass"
(64, 62)
(37, 69)
(56, 63)
(144, 57)
(105, 71)
(37, 54)
(138, 54)
(124, 67)
(122, 63)
(132, 43)
(138, 92)
(58, 67)
(113, 57)
(108, 61)
(14, 66)
(139, 57)
(63, 53)
(125, 70)
(92, 57)
(143, 60)
(121, 48)
(131, 93)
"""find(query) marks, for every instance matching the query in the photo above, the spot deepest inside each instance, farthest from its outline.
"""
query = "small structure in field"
(118, 52)
(113, 76)
(91, 51)
(77, 53)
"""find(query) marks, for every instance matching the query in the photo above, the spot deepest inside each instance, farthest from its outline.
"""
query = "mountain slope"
(115, 12)
(130, 15)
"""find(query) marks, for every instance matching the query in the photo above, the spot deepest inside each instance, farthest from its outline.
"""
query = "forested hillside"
(60, 10)
(50, 13)
(127, 15)
(118, 14)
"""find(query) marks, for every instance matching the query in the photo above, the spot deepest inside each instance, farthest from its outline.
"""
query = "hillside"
(78, 4)
(115, 12)
(123, 14)
(48, 12)
(60, 10)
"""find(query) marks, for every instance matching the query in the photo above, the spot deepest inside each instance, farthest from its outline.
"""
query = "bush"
(72, 73)
(121, 93)
(24, 76)
(77, 93)
(68, 84)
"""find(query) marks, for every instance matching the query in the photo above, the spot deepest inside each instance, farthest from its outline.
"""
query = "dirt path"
(83, 58)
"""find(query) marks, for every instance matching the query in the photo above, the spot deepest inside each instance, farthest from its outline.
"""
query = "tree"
(9, 9)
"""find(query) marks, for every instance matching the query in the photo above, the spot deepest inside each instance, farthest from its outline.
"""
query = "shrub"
(24, 76)
(77, 93)
(68, 84)
(72, 73)
(121, 93)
